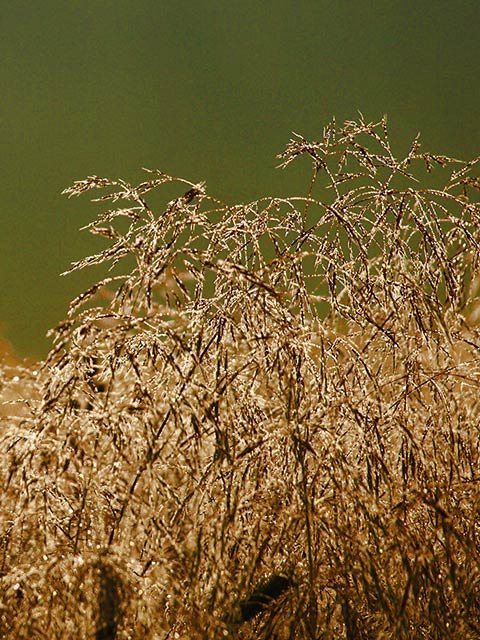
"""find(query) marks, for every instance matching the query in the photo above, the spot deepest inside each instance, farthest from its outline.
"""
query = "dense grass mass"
(266, 424)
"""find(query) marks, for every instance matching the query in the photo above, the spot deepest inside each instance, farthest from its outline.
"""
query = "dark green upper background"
(204, 90)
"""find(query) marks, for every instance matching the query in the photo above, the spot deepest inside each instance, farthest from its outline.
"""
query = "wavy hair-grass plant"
(266, 425)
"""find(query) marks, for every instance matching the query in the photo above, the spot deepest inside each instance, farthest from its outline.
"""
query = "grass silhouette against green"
(267, 424)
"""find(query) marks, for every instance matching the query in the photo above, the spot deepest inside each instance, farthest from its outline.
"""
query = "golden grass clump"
(266, 425)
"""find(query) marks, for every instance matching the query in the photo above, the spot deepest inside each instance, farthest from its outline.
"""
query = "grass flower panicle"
(263, 421)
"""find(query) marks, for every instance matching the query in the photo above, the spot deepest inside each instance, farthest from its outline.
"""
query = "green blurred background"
(204, 90)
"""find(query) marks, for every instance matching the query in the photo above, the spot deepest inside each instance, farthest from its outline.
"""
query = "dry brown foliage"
(281, 393)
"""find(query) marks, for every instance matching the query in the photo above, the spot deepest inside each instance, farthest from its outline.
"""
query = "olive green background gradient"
(203, 90)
